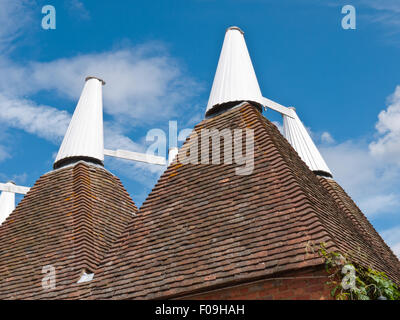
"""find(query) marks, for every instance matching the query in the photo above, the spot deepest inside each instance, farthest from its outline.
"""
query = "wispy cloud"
(368, 170)
(145, 86)
(14, 18)
(114, 138)
(4, 153)
(17, 178)
(43, 121)
(77, 7)
(372, 183)
(387, 147)
(385, 13)
(144, 83)
(392, 238)
(384, 5)
(381, 203)
(327, 138)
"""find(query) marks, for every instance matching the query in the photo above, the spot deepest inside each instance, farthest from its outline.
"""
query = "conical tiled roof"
(68, 220)
(203, 226)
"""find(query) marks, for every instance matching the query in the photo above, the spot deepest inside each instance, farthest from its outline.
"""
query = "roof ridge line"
(296, 177)
(341, 212)
(364, 225)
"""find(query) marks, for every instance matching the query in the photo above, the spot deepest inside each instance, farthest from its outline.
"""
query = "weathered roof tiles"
(203, 226)
(68, 220)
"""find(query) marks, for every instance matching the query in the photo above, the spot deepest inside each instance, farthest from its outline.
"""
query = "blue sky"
(159, 58)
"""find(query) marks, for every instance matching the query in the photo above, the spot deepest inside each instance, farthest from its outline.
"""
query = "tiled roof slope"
(383, 251)
(68, 219)
(203, 226)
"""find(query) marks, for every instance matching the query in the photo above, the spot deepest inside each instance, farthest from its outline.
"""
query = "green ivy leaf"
(333, 291)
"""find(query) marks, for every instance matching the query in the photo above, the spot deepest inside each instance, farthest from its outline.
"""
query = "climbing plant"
(351, 281)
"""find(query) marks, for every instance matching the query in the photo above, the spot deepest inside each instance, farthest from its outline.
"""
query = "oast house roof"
(68, 220)
(203, 226)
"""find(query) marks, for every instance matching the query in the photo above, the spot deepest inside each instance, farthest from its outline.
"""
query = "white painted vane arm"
(136, 156)
(278, 107)
(13, 188)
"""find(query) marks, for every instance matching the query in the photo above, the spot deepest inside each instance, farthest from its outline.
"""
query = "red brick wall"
(303, 285)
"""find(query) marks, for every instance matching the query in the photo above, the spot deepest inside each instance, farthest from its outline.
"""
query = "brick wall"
(307, 284)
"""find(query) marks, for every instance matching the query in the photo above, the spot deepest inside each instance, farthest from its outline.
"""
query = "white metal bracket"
(13, 188)
(278, 107)
(136, 156)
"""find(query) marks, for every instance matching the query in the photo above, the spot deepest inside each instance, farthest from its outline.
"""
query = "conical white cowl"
(84, 138)
(7, 204)
(298, 137)
(235, 79)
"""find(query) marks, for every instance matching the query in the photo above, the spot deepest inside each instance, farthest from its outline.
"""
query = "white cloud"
(19, 179)
(4, 153)
(43, 121)
(115, 139)
(385, 5)
(142, 88)
(383, 13)
(371, 172)
(387, 147)
(78, 8)
(324, 138)
(381, 202)
(396, 249)
(144, 84)
(369, 181)
(14, 18)
(392, 238)
(51, 124)
(327, 138)
(144, 173)
(5, 140)
(387, 11)
(195, 118)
